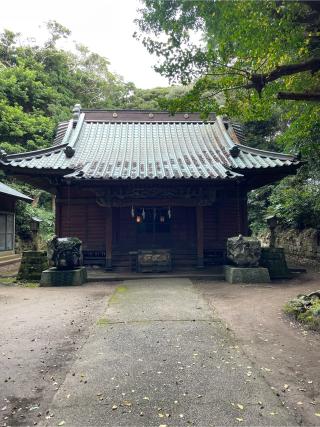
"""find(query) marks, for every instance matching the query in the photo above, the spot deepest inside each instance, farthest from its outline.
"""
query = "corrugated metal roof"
(11, 192)
(133, 145)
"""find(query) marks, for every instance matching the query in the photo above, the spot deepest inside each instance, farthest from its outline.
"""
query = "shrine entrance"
(153, 227)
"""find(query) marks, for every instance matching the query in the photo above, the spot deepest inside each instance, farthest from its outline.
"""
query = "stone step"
(9, 259)
(5, 257)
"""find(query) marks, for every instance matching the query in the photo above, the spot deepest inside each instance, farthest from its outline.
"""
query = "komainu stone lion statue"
(65, 253)
(244, 251)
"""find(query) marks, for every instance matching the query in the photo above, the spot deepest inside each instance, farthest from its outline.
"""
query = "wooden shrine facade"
(126, 181)
(192, 221)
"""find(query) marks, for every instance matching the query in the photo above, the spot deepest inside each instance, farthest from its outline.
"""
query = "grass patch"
(15, 282)
(102, 322)
(29, 284)
(114, 299)
(305, 309)
(7, 280)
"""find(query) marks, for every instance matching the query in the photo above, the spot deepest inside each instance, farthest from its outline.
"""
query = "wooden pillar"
(200, 263)
(53, 202)
(57, 211)
(109, 238)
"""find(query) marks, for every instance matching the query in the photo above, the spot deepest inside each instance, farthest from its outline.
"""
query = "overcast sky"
(105, 26)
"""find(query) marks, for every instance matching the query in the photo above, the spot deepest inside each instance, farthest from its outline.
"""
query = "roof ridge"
(267, 153)
(35, 152)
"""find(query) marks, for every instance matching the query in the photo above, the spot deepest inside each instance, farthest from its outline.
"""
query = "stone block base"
(54, 277)
(275, 261)
(246, 274)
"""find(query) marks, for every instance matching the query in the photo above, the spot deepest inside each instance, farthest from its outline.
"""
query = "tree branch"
(258, 81)
(296, 96)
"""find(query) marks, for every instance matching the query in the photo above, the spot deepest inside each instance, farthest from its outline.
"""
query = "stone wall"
(299, 243)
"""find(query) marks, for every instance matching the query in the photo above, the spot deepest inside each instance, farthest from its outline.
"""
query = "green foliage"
(24, 214)
(296, 203)
(220, 45)
(305, 310)
(258, 203)
(218, 48)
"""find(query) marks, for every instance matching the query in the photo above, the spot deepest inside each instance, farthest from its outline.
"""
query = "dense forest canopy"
(257, 62)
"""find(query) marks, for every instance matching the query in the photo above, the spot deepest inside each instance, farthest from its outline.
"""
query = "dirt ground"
(287, 354)
(43, 330)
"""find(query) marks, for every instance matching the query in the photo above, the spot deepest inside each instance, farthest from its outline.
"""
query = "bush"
(305, 309)
(295, 201)
(24, 214)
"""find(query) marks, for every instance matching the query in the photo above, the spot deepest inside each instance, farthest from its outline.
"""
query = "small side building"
(8, 198)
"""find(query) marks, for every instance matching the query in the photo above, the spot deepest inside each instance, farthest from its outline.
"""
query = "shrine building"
(127, 181)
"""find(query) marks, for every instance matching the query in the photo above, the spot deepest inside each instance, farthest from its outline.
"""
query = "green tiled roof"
(142, 145)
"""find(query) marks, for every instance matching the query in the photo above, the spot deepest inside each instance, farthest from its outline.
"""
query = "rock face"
(244, 251)
(65, 253)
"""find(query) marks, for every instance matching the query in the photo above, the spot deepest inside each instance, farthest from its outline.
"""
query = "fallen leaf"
(114, 407)
(317, 414)
(240, 406)
(146, 398)
(62, 423)
(160, 415)
(273, 413)
(299, 403)
(239, 419)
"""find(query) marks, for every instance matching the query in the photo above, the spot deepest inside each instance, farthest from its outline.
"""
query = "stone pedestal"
(32, 265)
(246, 274)
(54, 277)
(275, 261)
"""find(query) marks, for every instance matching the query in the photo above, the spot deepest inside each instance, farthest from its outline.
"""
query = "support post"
(109, 238)
(200, 261)
(57, 211)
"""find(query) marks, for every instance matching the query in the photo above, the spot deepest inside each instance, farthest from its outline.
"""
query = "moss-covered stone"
(55, 277)
(246, 274)
(33, 263)
(305, 309)
(275, 261)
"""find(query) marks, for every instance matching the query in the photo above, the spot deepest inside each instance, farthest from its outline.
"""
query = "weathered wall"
(301, 243)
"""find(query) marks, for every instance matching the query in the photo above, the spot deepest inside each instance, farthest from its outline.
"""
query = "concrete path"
(158, 357)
